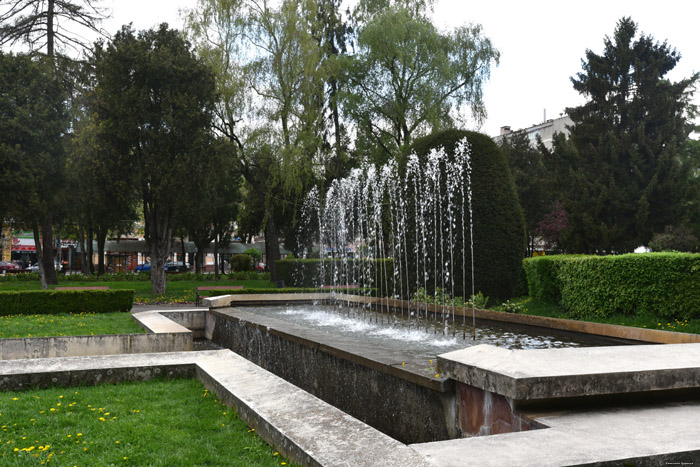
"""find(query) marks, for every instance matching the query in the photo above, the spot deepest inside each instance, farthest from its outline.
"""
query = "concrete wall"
(405, 406)
(76, 346)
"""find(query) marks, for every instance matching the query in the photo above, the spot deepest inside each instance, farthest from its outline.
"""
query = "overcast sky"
(541, 43)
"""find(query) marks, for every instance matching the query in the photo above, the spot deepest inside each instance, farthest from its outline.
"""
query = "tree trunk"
(47, 251)
(182, 245)
(90, 264)
(160, 241)
(216, 257)
(83, 251)
(49, 29)
(272, 247)
(39, 256)
(101, 239)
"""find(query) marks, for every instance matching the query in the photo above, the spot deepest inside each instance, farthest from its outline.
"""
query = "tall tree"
(531, 180)
(49, 24)
(155, 100)
(33, 122)
(622, 173)
(408, 79)
(270, 78)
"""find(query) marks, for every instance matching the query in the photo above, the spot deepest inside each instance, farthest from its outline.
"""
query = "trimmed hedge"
(307, 272)
(242, 262)
(542, 274)
(499, 225)
(363, 291)
(35, 302)
(666, 285)
(142, 277)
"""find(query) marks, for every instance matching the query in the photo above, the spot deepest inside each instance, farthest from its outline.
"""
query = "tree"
(155, 101)
(409, 79)
(531, 181)
(270, 78)
(41, 23)
(33, 121)
(622, 175)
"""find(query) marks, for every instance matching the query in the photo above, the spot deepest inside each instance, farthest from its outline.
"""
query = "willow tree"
(270, 78)
(408, 79)
(154, 102)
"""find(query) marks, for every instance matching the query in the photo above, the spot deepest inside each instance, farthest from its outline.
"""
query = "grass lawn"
(67, 324)
(159, 423)
(176, 291)
(534, 307)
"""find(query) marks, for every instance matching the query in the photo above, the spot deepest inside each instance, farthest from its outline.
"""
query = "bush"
(663, 285)
(307, 272)
(254, 253)
(34, 302)
(678, 238)
(363, 291)
(241, 262)
(542, 274)
(499, 227)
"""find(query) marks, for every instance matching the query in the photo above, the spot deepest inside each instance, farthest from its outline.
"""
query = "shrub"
(242, 262)
(254, 253)
(499, 228)
(664, 285)
(65, 301)
(307, 272)
(362, 291)
(678, 238)
(542, 274)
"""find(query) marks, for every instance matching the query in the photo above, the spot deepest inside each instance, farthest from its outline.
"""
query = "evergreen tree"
(621, 175)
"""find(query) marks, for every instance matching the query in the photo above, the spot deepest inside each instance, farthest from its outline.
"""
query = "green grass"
(67, 324)
(176, 291)
(159, 423)
(534, 307)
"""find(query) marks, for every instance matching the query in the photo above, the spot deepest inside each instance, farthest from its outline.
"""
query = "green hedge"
(666, 285)
(307, 272)
(363, 291)
(34, 302)
(542, 274)
(144, 277)
(242, 262)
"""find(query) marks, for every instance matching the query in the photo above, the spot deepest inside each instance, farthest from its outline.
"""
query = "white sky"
(541, 43)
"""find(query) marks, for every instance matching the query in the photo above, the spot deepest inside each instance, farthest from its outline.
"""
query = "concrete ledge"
(165, 335)
(524, 375)
(224, 301)
(300, 425)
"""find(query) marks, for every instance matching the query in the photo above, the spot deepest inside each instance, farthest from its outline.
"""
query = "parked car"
(145, 267)
(177, 266)
(33, 268)
(10, 266)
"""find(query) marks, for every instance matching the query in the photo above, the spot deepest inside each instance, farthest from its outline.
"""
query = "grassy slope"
(67, 324)
(159, 423)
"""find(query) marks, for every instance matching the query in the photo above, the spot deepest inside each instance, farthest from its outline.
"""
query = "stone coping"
(575, 372)
(164, 335)
(626, 333)
(299, 425)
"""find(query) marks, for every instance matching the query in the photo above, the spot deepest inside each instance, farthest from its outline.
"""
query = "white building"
(545, 130)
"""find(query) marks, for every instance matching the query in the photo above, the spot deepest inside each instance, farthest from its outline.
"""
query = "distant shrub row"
(656, 284)
(363, 291)
(377, 273)
(145, 277)
(36, 302)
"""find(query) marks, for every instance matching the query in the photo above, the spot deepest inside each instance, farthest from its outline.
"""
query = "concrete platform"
(575, 372)
(298, 424)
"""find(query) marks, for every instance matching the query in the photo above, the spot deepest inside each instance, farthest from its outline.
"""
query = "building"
(544, 130)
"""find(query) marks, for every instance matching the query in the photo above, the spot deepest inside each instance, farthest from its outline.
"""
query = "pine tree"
(621, 174)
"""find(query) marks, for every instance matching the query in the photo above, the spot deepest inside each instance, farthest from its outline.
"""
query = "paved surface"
(663, 435)
(572, 372)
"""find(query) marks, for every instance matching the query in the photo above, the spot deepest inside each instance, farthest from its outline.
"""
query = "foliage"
(442, 298)
(531, 181)
(43, 24)
(552, 226)
(512, 307)
(674, 238)
(65, 301)
(287, 290)
(154, 100)
(543, 277)
(34, 120)
(656, 284)
(408, 78)
(254, 253)
(159, 422)
(622, 175)
(499, 234)
(336, 272)
(241, 262)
